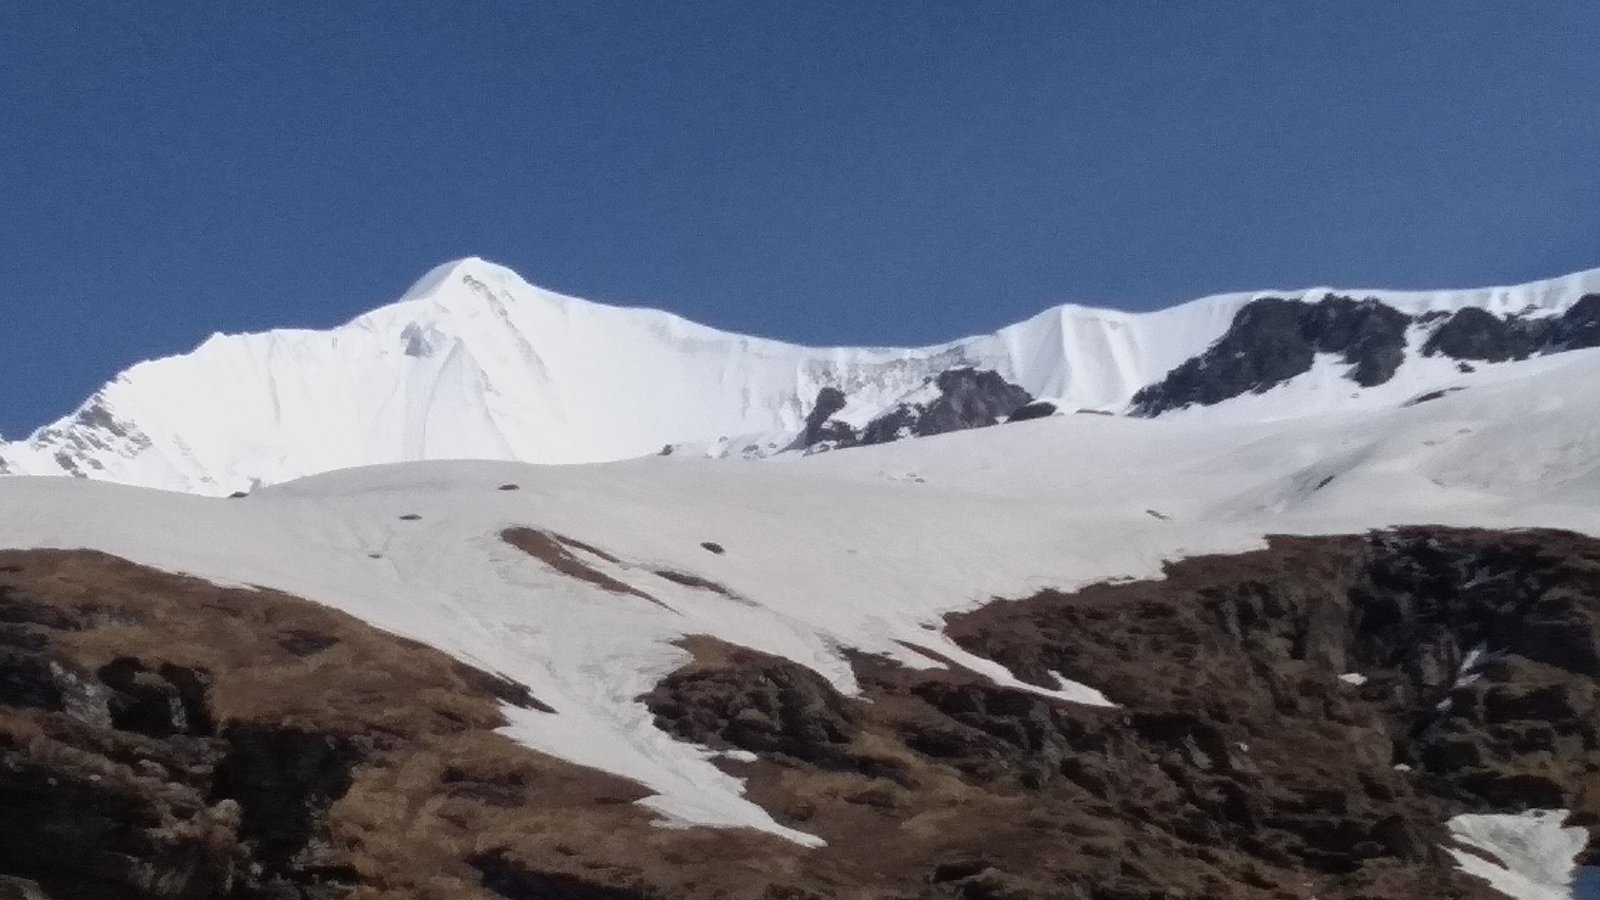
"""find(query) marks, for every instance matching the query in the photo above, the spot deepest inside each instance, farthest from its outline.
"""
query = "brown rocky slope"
(163, 737)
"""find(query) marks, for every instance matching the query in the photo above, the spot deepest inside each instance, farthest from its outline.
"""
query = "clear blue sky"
(825, 172)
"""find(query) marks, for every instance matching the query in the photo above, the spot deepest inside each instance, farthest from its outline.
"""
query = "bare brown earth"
(161, 737)
(559, 552)
(691, 580)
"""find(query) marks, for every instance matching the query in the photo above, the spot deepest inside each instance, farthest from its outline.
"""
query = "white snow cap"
(474, 362)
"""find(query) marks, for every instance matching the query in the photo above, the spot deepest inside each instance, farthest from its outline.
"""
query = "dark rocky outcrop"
(1480, 654)
(966, 398)
(117, 784)
(1369, 335)
(164, 738)
(1217, 774)
(819, 426)
(755, 702)
(1270, 341)
(1578, 328)
(1481, 336)
(1273, 339)
(92, 429)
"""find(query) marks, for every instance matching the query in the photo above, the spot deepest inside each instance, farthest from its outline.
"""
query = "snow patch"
(825, 552)
(1533, 856)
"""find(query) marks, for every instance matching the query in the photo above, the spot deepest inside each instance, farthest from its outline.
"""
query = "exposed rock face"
(1217, 776)
(818, 428)
(93, 429)
(968, 398)
(960, 399)
(118, 782)
(1480, 654)
(1273, 339)
(1479, 335)
(1578, 327)
(755, 702)
(1370, 336)
(164, 738)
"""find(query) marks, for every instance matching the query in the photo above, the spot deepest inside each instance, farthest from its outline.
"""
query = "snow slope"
(863, 549)
(473, 362)
(1535, 853)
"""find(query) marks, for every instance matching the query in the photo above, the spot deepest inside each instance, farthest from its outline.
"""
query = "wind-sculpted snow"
(473, 362)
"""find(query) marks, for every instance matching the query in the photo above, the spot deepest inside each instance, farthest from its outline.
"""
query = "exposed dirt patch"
(161, 737)
(575, 544)
(695, 581)
(556, 551)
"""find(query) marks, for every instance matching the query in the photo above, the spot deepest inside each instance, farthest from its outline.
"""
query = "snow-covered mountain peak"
(452, 272)
(474, 362)
(464, 285)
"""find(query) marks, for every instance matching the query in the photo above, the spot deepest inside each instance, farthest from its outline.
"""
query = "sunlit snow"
(831, 551)
(1532, 853)
(475, 363)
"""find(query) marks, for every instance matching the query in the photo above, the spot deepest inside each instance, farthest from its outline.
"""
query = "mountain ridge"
(1093, 656)
(475, 362)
